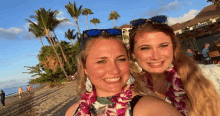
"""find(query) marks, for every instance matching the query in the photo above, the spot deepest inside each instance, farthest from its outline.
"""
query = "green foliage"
(46, 74)
(113, 15)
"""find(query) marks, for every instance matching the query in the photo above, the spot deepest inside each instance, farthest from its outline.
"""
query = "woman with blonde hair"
(105, 84)
(168, 72)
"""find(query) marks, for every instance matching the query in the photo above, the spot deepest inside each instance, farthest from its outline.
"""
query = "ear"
(133, 56)
(85, 71)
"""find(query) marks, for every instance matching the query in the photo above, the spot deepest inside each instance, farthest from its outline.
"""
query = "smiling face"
(153, 51)
(107, 66)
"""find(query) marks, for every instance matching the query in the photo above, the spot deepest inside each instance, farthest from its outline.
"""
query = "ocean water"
(14, 90)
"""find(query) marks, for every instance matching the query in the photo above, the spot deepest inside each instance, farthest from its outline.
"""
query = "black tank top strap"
(134, 100)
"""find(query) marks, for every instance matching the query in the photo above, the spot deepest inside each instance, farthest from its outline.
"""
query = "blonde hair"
(139, 85)
(200, 93)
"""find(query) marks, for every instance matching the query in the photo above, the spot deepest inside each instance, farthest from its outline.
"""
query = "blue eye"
(122, 59)
(163, 46)
(101, 61)
(144, 48)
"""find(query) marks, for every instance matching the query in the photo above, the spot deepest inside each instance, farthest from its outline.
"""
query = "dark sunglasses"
(160, 19)
(97, 32)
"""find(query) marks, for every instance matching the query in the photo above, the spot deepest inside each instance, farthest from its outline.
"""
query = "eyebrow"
(159, 44)
(106, 57)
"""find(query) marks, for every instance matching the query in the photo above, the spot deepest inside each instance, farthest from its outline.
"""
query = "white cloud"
(169, 7)
(10, 33)
(66, 24)
(190, 15)
(14, 83)
(2, 62)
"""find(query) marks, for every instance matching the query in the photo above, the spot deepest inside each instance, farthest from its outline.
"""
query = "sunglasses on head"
(160, 19)
(97, 32)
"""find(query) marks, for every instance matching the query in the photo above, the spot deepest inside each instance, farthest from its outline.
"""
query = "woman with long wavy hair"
(106, 86)
(168, 72)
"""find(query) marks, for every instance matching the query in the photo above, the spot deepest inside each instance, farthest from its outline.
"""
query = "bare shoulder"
(152, 106)
(72, 109)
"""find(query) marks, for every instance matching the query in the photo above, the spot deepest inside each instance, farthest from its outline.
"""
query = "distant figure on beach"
(205, 53)
(3, 98)
(20, 92)
(28, 90)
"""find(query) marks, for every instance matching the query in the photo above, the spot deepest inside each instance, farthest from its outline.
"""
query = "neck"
(158, 77)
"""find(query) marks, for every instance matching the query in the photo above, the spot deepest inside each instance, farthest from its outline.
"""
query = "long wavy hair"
(139, 85)
(201, 97)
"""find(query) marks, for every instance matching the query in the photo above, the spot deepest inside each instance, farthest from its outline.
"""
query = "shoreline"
(43, 100)
(25, 91)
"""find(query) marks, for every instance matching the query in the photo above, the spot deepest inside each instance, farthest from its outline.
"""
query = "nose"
(114, 68)
(155, 54)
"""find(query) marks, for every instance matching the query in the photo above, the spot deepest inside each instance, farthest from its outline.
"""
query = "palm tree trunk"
(77, 25)
(48, 35)
(64, 56)
(114, 22)
(95, 26)
(61, 65)
(41, 41)
(53, 42)
(87, 22)
(71, 41)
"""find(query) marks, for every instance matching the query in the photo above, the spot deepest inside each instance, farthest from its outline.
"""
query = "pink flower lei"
(175, 92)
(120, 102)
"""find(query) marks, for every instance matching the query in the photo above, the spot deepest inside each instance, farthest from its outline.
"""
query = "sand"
(43, 101)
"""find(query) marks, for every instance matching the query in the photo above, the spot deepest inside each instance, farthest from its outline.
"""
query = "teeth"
(112, 79)
(158, 63)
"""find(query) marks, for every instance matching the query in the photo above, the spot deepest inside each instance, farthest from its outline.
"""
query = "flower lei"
(118, 109)
(176, 92)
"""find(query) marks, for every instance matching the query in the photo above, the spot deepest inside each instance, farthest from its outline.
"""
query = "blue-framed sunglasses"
(97, 32)
(160, 19)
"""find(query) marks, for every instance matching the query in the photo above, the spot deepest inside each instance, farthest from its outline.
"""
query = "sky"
(19, 48)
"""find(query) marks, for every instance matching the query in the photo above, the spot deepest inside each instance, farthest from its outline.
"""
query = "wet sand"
(43, 101)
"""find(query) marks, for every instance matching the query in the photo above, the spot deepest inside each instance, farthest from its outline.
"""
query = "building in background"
(203, 28)
(125, 33)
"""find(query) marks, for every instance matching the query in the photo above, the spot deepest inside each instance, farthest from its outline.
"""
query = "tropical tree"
(37, 31)
(217, 2)
(95, 21)
(113, 16)
(45, 19)
(74, 12)
(87, 11)
(69, 34)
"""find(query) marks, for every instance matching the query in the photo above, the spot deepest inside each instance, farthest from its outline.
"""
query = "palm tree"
(45, 19)
(69, 34)
(53, 24)
(36, 30)
(87, 11)
(95, 21)
(113, 16)
(74, 12)
(53, 40)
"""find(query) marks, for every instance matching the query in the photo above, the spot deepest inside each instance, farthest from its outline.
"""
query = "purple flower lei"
(118, 109)
(176, 92)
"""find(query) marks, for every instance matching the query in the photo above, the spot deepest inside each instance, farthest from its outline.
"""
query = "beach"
(43, 101)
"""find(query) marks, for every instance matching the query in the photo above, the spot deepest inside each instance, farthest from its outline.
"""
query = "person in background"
(20, 92)
(217, 46)
(170, 74)
(3, 98)
(28, 90)
(190, 53)
(205, 51)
